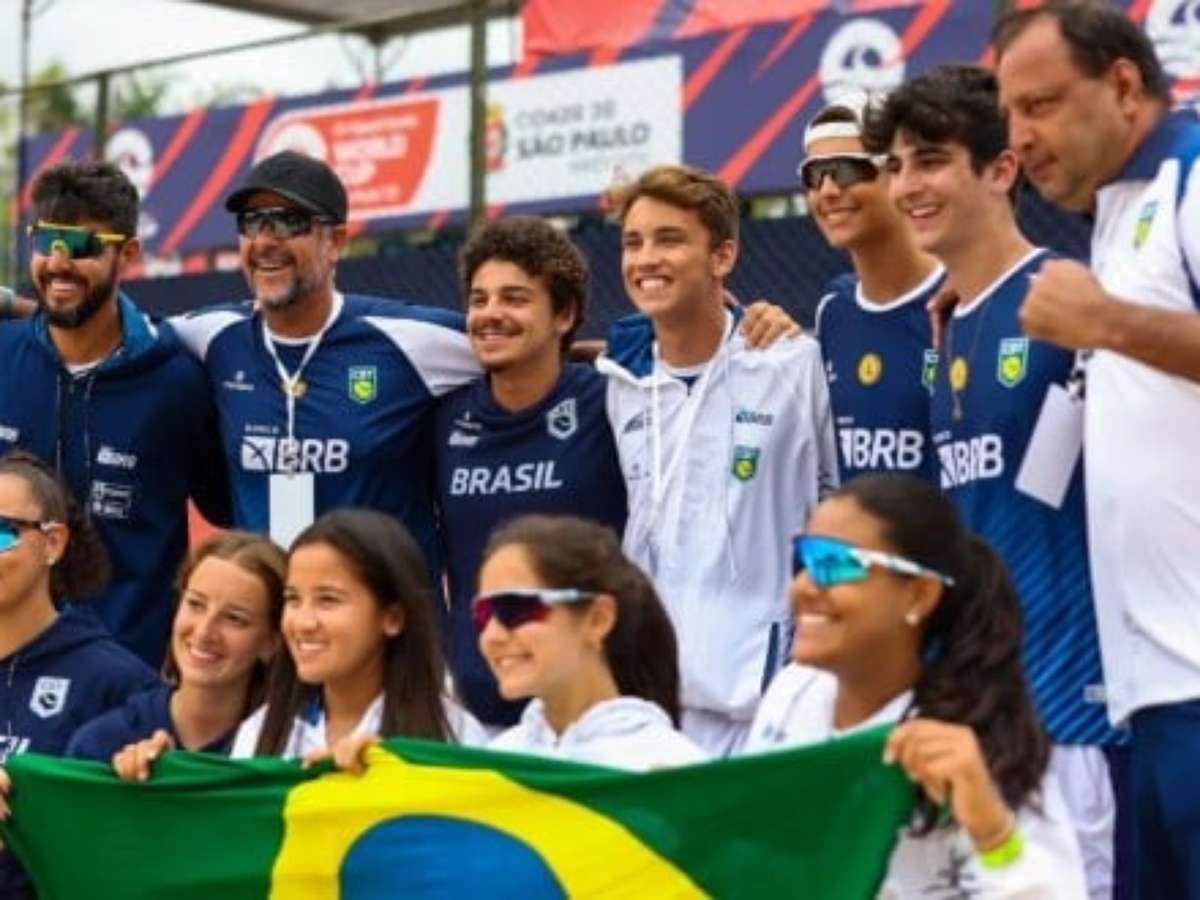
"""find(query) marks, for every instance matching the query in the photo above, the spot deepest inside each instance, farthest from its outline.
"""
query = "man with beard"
(110, 398)
(325, 399)
(531, 437)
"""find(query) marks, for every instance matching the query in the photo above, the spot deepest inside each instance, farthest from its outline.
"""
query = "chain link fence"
(785, 260)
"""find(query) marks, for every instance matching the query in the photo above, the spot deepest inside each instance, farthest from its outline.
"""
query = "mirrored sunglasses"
(284, 221)
(73, 241)
(846, 169)
(831, 562)
(517, 607)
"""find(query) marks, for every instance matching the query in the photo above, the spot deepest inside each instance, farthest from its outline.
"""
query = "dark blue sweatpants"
(1166, 785)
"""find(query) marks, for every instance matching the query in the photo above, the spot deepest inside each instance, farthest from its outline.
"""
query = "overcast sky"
(86, 35)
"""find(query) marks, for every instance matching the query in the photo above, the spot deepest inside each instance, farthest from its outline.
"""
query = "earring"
(912, 618)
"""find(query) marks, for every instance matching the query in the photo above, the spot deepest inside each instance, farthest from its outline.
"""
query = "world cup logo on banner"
(862, 55)
(1174, 27)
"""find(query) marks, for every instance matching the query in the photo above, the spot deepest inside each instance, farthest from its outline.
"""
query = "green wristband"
(1004, 854)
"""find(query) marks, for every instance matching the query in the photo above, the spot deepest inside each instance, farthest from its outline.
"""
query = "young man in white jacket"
(722, 449)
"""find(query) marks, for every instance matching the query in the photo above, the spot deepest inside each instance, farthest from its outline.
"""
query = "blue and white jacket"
(720, 474)
(362, 423)
(134, 438)
(67, 675)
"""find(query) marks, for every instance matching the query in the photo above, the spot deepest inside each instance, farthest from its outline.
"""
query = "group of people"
(444, 529)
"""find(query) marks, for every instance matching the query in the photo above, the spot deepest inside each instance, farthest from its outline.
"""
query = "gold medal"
(296, 389)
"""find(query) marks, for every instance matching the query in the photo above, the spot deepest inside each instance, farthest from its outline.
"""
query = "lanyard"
(291, 384)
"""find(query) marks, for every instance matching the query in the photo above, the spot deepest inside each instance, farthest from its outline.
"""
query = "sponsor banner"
(574, 133)
(734, 102)
(565, 134)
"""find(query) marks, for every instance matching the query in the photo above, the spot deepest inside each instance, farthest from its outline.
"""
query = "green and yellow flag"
(433, 821)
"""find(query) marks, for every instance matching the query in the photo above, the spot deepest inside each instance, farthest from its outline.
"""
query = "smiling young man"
(326, 400)
(532, 436)
(110, 398)
(724, 451)
(1089, 108)
(1000, 414)
(872, 324)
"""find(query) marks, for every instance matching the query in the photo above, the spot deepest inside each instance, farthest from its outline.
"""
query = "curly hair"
(568, 552)
(971, 644)
(950, 103)
(72, 192)
(541, 251)
(84, 568)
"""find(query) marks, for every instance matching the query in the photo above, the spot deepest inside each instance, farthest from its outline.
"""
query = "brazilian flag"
(434, 821)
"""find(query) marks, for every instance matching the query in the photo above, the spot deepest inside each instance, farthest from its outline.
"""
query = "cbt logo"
(1174, 27)
(862, 55)
(270, 454)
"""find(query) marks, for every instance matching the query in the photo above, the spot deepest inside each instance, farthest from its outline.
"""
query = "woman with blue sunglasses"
(61, 668)
(565, 619)
(904, 617)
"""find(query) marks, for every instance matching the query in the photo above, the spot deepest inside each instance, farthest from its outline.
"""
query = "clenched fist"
(1066, 305)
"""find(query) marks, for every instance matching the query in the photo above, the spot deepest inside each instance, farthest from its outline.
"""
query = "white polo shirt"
(1142, 434)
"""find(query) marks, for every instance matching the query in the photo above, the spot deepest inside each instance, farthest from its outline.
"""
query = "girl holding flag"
(566, 619)
(904, 617)
(223, 637)
(363, 656)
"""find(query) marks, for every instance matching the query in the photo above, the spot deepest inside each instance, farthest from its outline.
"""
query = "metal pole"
(100, 126)
(478, 93)
(16, 256)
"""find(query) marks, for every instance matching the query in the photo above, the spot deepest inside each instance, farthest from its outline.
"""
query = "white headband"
(826, 130)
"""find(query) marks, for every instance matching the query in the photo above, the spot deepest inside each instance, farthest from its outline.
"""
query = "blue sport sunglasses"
(11, 528)
(830, 562)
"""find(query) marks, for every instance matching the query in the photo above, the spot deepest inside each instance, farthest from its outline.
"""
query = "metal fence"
(785, 260)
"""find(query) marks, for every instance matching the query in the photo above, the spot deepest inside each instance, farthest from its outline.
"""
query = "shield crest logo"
(562, 421)
(1141, 228)
(49, 696)
(363, 383)
(929, 369)
(1012, 361)
(745, 462)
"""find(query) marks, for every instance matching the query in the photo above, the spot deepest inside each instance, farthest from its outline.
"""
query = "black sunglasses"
(846, 169)
(284, 221)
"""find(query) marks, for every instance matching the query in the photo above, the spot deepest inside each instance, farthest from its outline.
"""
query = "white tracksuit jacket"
(622, 733)
(720, 476)
(308, 730)
(798, 710)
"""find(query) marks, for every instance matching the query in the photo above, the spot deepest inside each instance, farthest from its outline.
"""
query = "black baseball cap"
(306, 181)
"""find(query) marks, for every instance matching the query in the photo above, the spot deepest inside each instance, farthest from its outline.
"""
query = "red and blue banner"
(561, 128)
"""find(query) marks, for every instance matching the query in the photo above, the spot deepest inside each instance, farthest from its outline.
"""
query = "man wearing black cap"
(324, 398)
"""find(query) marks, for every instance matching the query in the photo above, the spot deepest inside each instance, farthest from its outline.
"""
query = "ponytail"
(972, 672)
(973, 676)
(568, 552)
